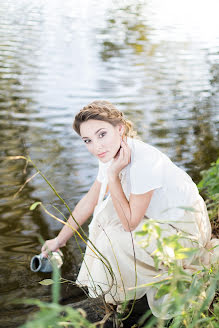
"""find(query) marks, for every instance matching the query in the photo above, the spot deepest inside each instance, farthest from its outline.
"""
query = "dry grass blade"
(22, 187)
(105, 318)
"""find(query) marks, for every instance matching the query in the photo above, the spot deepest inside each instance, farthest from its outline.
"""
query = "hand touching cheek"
(121, 160)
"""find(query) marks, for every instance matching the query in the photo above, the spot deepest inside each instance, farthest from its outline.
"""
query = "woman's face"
(102, 139)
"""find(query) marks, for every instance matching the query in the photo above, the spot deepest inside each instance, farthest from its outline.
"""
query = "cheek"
(89, 148)
(115, 143)
(117, 139)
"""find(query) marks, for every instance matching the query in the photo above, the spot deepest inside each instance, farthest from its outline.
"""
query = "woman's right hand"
(51, 245)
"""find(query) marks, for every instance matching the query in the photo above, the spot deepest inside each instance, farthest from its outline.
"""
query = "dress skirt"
(115, 261)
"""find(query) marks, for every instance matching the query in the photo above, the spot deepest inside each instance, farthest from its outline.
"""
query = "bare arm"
(82, 211)
(130, 212)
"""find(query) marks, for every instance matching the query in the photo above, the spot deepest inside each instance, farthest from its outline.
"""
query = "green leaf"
(163, 290)
(34, 205)
(158, 230)
(181, 286)
(145, 228)
(140, 233)
(46, 282)
(159, 245)
(156, 262)
(184, 253)
(190, 209)
(172, 241)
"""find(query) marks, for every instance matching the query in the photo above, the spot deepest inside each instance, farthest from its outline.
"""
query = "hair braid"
(103, 110)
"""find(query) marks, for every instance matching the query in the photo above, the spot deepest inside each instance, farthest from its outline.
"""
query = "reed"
(192, 298)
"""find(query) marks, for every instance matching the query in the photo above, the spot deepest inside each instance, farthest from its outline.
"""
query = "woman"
(135, 182)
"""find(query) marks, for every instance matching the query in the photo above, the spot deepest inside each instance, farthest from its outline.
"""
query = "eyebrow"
(95, 133)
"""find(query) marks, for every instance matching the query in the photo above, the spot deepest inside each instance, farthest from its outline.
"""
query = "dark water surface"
(158, 63)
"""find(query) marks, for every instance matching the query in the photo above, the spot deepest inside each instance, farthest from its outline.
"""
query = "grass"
(193, 298)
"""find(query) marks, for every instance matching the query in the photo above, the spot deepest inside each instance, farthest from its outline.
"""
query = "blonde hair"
(103, 110)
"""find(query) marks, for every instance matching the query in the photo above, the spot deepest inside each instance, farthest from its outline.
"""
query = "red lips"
(102, 154)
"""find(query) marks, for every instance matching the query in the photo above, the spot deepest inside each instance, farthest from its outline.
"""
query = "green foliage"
(34, 205)
(210, 180)
(46, 282)
(209, 186)
(188, 295)
(169, 249)
(49, 314)
(52, 315)
(56, 284)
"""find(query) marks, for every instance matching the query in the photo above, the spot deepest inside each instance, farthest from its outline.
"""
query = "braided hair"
(103, 110)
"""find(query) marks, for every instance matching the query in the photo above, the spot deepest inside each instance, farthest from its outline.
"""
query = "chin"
(105, 160)
(108, 157)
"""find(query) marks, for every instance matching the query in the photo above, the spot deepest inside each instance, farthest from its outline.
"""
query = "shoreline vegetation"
(193, 297)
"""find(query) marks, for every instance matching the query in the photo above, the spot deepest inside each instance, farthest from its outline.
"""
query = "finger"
(59, 250)
(117, 154)
(121, 154)
(125, 146)
(127, 150)
(127, 157)
(44, 254)
(129, 154)
(44, 247)
(123, 143)
(45, 250)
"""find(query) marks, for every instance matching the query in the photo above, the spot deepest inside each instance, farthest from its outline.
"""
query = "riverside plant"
(82, 235)
(51, 315)
(193, 298)
(209, 187)
(189, 295)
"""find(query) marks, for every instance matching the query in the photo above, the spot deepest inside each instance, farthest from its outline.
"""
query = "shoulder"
(142, 152)
(146, 167)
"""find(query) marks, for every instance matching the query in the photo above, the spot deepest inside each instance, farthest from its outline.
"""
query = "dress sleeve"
(100, 175)
(146, 173)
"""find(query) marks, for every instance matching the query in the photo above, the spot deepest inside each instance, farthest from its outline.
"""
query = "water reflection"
(126, 30)
(169, 79)
(56, 57)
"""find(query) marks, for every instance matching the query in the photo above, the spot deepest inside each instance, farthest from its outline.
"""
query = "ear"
(121, 128)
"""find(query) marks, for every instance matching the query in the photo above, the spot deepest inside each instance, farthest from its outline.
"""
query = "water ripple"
(56, 57)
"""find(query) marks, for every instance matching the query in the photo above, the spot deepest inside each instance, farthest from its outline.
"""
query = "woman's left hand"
(121, 160)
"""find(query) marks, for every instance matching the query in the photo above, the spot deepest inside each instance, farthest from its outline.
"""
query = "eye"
(102, 134)
(87, 141)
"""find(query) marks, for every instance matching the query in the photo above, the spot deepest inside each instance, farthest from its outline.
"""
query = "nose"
(98, 146)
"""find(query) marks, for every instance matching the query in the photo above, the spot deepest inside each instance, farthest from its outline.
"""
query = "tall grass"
(193, 299)
(189, 297)
(52, 315)
(209, 188)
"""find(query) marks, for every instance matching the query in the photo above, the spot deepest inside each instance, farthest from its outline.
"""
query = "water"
(158, 63)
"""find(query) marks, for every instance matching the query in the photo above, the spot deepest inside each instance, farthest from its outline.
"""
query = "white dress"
(122, 262)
